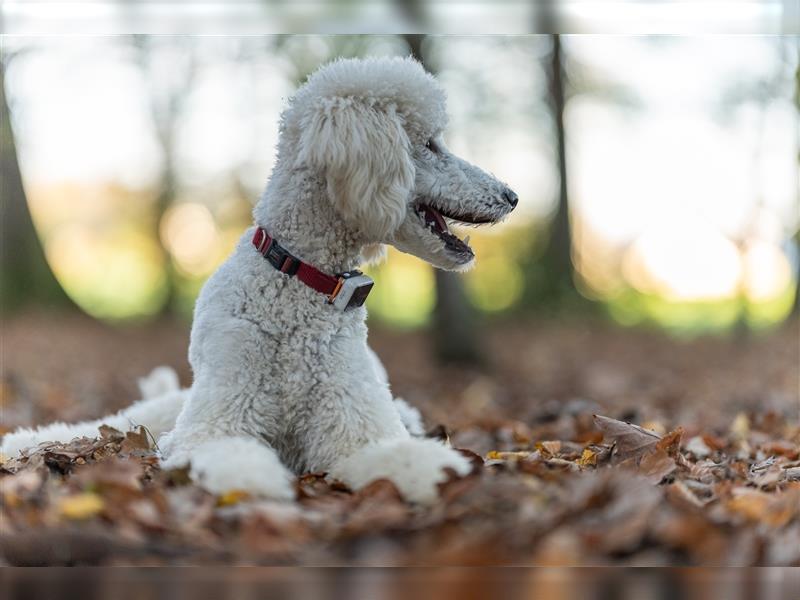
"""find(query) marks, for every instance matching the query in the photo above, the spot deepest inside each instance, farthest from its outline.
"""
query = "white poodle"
(284, 381)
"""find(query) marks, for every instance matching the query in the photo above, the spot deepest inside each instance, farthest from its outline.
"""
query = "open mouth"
(434, 220)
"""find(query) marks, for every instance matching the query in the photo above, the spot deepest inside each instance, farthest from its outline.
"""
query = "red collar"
(347, 290)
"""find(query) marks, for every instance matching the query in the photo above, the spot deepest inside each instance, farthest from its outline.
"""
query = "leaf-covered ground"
(590, 445)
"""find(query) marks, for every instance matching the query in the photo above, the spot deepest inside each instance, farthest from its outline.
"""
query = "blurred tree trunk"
(796, 308)
(455, 322)
(558, 254)
(553, 283)
(25, 276)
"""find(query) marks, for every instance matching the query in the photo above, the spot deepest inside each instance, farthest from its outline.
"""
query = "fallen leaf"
(588, 458)
(782, 448)
(81, 506)
(113, 473)
(768, 477)
(671, 442)
(630, 441)
(616, 508)
(656, 465)
(682, 496)
(376, 506)
(109, 433)
(771, 509)
(551, 447)
(138, 440)
(495, 455)
(714, 442)
(232, 497)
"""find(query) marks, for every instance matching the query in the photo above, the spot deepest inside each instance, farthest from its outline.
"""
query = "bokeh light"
(189, 233)
(685, 261)
(114, 273)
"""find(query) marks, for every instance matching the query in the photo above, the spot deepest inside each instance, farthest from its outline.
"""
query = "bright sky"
(676, 158)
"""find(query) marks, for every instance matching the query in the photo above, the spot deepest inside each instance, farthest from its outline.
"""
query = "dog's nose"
(510, 197)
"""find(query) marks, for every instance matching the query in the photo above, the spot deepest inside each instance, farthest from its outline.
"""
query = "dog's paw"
(242, 464)
(415, 466)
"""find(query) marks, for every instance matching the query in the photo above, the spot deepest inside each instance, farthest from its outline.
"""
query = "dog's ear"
(364, 153)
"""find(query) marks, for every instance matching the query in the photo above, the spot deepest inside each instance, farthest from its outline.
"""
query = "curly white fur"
(280, 376)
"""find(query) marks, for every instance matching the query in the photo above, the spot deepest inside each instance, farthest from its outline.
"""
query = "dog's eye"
(431, 145)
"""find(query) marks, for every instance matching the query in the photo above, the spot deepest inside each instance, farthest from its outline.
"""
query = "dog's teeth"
(466, 240)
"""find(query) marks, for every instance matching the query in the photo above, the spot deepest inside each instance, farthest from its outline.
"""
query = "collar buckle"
(260, 240)
(276, 255)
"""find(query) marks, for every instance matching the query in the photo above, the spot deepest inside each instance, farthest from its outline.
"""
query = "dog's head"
(373, 130)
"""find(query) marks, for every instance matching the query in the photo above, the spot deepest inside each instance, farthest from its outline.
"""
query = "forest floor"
(591, 445)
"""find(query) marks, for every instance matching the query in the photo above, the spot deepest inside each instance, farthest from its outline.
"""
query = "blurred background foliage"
(658, 176)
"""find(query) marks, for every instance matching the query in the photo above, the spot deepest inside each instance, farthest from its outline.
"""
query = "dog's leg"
(360, 437)
(224, 451)
(224, 462)
(410, 416)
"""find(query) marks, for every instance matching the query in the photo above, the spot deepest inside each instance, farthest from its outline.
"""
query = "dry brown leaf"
(630, 441)
(671, 442)
(782, 448)
(550, 447)
(774, 510)
(682, 496)
(656, 465)
(616, 507)
(113, 473)
(109, 433)
(376, 506)
(138, 440)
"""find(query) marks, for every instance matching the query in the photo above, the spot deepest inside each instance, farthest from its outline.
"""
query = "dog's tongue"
(434, 216)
